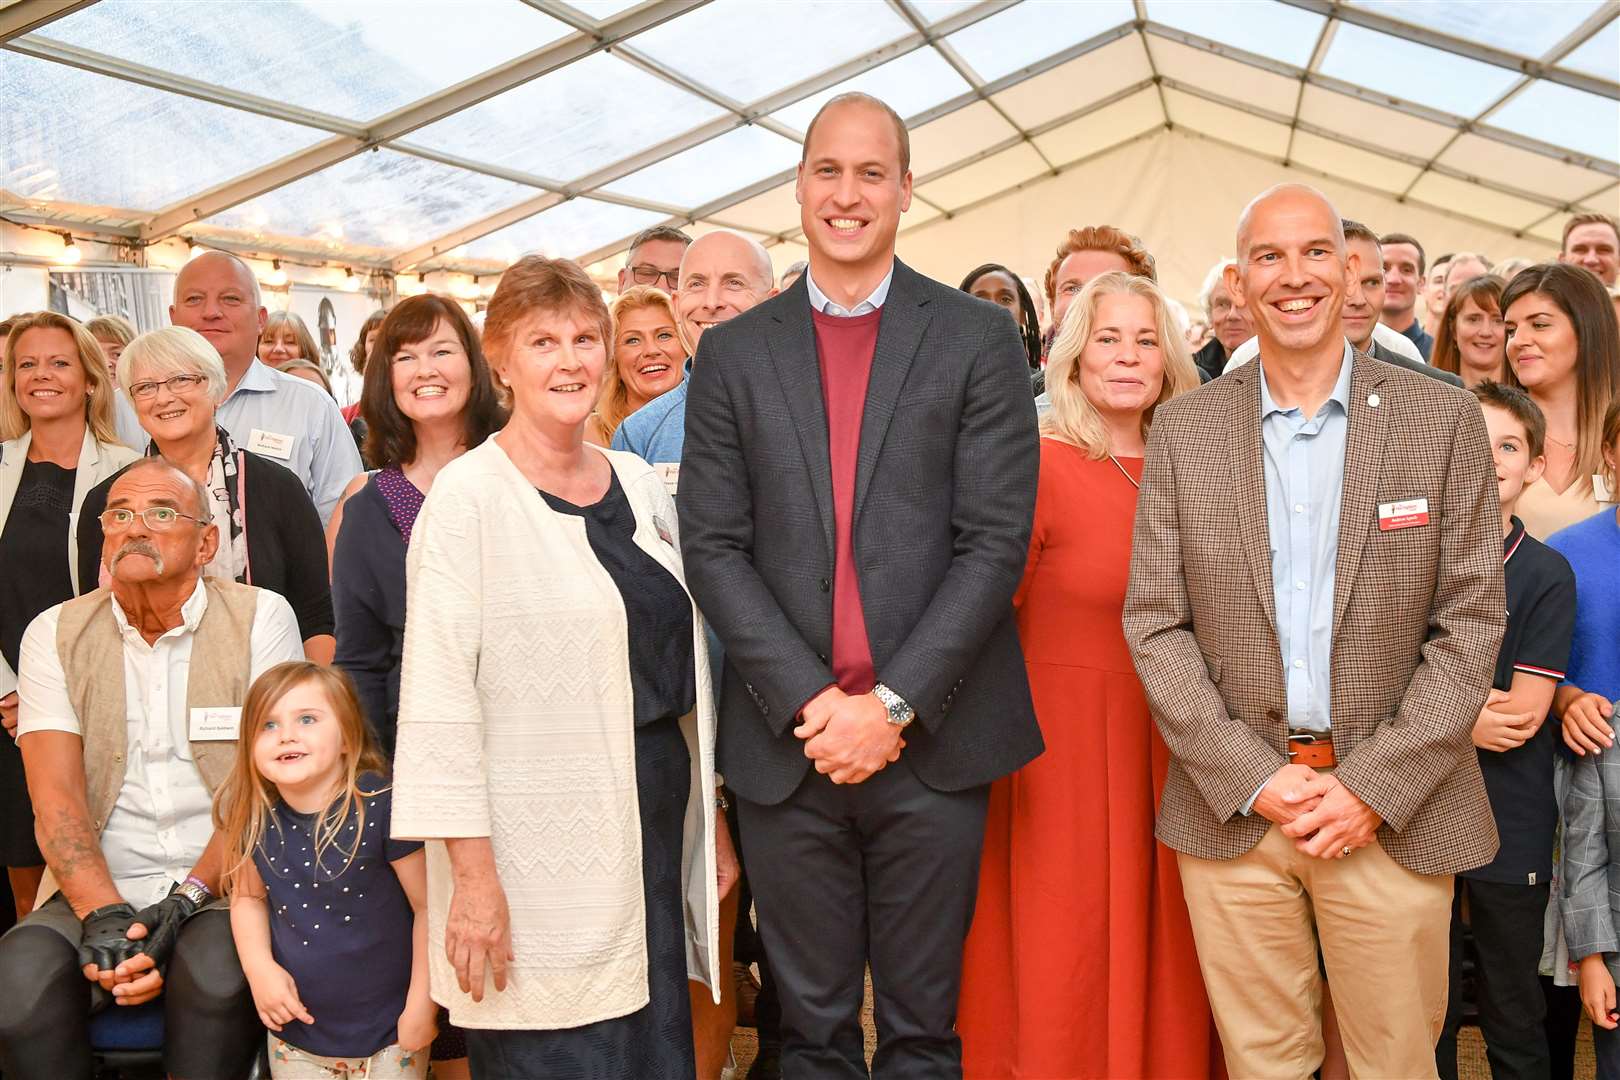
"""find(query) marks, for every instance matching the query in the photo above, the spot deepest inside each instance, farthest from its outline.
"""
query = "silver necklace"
(1123, 473)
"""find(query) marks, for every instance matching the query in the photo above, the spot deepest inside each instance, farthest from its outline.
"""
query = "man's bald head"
(734, 250)
(1292, 199)
(1293, 271)
(217, 295)
(158, 465)
(211, 261)
(722, 275)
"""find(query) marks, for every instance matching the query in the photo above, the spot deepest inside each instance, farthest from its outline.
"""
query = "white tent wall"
(1181, 193)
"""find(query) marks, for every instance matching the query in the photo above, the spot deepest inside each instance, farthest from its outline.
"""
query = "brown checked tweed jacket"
(1418, 616)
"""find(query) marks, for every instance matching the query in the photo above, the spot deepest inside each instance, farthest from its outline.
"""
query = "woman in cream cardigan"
(56, 417)
(556, 724)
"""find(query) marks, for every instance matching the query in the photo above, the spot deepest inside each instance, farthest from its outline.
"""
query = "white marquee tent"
(402, 142)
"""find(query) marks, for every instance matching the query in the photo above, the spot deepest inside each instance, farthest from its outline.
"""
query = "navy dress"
(655, 1042)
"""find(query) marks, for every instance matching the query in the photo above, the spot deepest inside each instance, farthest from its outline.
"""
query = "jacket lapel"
(900, 331)
(11, 466)
(791, 340)
(1249, 483)
(1363, 466)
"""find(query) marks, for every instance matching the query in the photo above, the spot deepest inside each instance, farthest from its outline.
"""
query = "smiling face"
(1000, 289)
(1292, 271)
(1479, 336)
(432, 378)
(1363, 304)
(1402, 279)
(279, 344)
(852, 187)
(1434, 288)
(1516, 469)
(49, 379)
(656, 262)
(721, 277)
(172, 414)
(553, 367)
(1541, 343)
(214, 296)
(1230, 324)
(1121, 365)
(648, 353)
(300, 743)
(1595, 246)
(1077, 268)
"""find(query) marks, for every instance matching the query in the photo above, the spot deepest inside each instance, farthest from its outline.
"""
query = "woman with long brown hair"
(1563, 348)
(1470, 340)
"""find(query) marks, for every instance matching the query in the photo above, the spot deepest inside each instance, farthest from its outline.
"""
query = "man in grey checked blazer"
(1329, 585)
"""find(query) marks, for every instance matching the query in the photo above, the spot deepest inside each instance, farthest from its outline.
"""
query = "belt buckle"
(1308, 738)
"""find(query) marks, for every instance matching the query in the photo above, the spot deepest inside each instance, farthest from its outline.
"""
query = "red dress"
(1080, 961)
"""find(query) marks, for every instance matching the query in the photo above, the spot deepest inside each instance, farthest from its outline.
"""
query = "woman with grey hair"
(270, 534)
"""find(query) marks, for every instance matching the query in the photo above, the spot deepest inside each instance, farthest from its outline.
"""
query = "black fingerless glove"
(106, 944)
(162, 921)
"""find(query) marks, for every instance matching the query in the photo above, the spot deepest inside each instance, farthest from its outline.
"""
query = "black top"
(1541, 622)
(34, 572)
(286, 545)
(341, 927)
(657, 613)
(368, 597)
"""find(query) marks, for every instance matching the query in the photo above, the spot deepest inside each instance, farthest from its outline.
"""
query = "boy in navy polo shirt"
(1507, 898)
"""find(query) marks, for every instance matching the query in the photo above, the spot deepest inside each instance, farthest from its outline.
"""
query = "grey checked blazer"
(944, 504)
(1589, 893)
(1418, 616)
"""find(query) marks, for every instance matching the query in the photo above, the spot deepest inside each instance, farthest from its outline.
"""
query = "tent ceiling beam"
(1140, 6)
(403, 121)
(1588, 199)
(1472, 50)
(1324, 41)
(26, 16)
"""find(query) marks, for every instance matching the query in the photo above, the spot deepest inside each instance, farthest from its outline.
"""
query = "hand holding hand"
(1597, 992)
(818, 710)
(275, 996)
(1340, 821)
(726, 868)
(106, 942)
(1500, 730)
(137, 980)
(1586, 724)
(418, 1025)
(1281, 800)
(8, 713)
(856, 741)
(478, 933)
(158, 927)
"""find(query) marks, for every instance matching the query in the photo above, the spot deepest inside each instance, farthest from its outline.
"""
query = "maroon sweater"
(844, 348)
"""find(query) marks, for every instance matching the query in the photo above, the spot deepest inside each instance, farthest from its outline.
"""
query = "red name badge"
(1402, 515)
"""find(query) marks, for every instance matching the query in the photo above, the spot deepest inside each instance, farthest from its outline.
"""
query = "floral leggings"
(287, 1062)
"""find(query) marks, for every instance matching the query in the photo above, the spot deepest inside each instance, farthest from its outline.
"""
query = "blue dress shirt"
(656, 432)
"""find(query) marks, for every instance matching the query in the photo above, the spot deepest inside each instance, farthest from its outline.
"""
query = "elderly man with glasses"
(130, 701)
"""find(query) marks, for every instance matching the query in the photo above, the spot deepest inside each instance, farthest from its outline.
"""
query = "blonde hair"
(243, 803)
(298, 363)
(614, 403)
(1073, 418)
(98, 399)
(173, 350)
(112, 328)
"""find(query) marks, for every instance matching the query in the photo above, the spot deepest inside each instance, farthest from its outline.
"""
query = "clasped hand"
(125, 951)
(848, 736)
(1321, 815)
(1501, 731)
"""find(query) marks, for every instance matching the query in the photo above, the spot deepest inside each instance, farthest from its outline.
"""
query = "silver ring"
(1346, 851)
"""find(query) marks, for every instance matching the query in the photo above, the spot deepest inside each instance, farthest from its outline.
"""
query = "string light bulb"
(277, 277)
(350, 282)
(70, 254)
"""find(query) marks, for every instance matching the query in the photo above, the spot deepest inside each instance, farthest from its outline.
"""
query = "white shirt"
(824, 304)
(161, 822)
(1393, 340)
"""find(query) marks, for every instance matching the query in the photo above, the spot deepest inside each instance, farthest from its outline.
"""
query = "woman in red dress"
(1080, 962)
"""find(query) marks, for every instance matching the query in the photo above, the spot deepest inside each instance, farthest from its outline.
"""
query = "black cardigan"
(368, 593)
(285, 542)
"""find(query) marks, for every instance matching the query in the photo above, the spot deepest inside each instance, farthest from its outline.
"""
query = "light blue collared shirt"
(656, 432)
(322, 453)
(1304, 470)
(824, 304)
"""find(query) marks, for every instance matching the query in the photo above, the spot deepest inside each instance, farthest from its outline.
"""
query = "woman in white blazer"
(556, 724)
(56, 417)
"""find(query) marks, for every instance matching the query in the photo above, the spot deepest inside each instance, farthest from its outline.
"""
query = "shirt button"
(1299, 585)
(1299, 663)
(1299, 508)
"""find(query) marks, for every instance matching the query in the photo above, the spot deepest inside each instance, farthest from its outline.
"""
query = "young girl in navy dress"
(328, 912)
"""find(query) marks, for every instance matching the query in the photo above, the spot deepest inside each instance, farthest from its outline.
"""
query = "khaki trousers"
(1385, 939)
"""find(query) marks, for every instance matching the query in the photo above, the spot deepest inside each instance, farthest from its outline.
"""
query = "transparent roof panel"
(571, 229)
(706, 172)
(933, 11)
(1565, 117)
(1599, 55)
(1510, 25)
(1259, 26)
(1489, 159)
(378, 199)
(911, 83)
(768, 47)
(1404, 69)
(775, 211)
(352, 58)
(97, 157)
(577, 119)
(602, 9)
(1034, 30)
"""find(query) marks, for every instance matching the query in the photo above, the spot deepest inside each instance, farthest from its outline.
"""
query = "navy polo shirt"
(1540, 624)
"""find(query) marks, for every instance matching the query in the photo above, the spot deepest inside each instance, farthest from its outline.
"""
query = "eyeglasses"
(177, 384)
(646, 274)
(157, 518)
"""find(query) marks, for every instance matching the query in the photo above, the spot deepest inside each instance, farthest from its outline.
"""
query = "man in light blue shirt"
(290, 421)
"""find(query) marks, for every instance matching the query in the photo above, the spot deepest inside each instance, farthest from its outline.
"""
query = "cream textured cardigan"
(516, 723)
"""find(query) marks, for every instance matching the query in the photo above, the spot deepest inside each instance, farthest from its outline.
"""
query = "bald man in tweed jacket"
(1315, 614)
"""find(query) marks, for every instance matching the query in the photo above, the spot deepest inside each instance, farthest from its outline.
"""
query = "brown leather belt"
(1311, 748)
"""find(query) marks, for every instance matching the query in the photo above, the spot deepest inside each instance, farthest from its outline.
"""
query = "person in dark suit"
(1364, 303)
(857, 495)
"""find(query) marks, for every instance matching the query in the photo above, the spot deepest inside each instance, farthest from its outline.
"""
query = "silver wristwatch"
(900, 714)
(195, 891)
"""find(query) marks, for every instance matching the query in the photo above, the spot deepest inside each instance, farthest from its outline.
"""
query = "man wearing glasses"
(130, 701)
(655, 259)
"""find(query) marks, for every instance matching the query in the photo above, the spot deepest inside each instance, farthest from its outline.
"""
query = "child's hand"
(1500, 731)
(1586, 724)
(1597, 991)
(275, 995)
(418, 1026)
